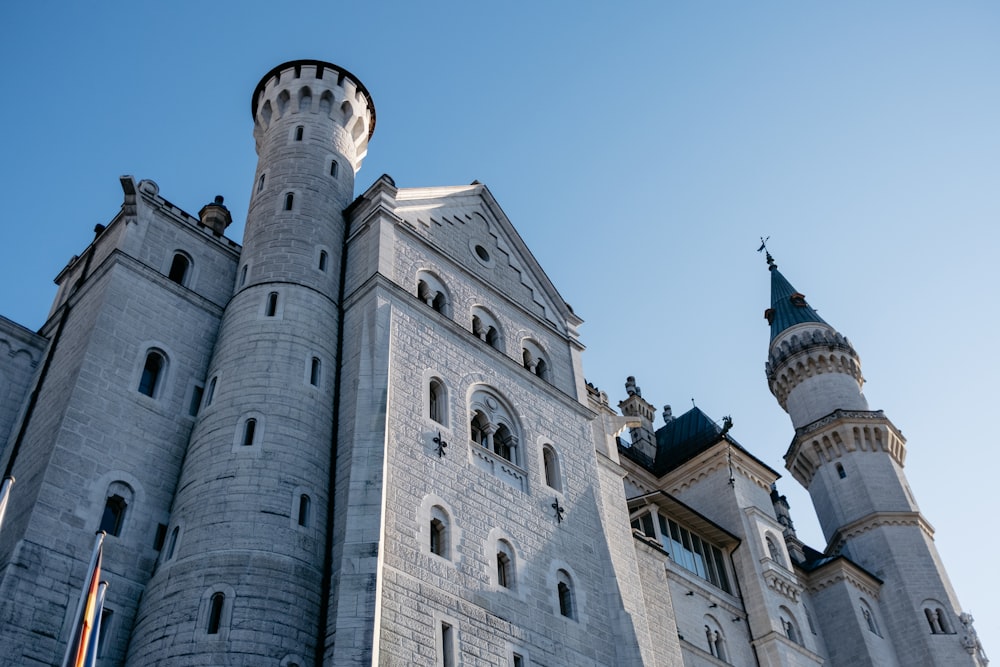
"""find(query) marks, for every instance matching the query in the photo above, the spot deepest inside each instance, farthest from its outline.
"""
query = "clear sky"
(640, 150)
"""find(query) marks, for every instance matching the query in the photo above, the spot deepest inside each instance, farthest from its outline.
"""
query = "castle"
(364, 437)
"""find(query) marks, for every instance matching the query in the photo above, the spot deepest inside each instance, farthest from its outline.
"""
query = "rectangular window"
(518, 660)
(694, 554)
(447, 646)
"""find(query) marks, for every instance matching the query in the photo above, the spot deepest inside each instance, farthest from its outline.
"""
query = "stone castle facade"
(364, 437)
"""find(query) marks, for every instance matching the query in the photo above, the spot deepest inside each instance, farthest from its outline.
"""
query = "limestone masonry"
(364, 437)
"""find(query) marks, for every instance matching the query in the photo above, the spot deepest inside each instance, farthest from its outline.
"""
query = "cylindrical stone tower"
(850, 459)
(241, 571)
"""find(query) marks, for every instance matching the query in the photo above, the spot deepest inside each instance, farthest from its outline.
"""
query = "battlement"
(302, 87)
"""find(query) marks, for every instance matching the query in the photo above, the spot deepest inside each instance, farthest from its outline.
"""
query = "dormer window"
(798, 299)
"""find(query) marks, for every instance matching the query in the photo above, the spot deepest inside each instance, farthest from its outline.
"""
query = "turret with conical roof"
(850, 459)
(811, 369)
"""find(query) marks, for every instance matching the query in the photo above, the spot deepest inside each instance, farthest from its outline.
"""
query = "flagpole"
(5, 496)
(72, 646)
(95, 633)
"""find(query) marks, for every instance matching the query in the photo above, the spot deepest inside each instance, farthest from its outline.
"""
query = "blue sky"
(640, 151)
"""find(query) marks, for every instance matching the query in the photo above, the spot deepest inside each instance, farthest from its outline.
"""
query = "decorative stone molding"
(839, 433)
(843, 571)
(845, 533)
(816, 360)
(781, 583)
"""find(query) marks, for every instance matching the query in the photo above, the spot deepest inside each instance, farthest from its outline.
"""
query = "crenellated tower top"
(317, 87)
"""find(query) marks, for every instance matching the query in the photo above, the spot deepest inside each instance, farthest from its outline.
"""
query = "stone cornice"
(782, 583)
(841, 570)
(840, 433)
(718, 456)
(876, 520)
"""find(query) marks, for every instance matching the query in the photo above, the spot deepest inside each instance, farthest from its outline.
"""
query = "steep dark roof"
(681, 440)
(788, 306)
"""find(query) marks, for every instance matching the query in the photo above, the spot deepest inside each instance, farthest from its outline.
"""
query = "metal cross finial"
(441, 444)
(767, 253)
(763, 243)
(559, 510)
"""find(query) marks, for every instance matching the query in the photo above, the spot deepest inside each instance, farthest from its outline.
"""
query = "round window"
(482, 253)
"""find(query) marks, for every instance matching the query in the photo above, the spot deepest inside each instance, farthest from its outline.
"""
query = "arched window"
(152, 373)
(215, 613)
(480, 429)
(841, 472)
(773, 550)
(550, 462)
(437, 401)
(322, 260)
(289, 201)
(304, 508)
(505, 564)
(114, 515)
(249, 430)
(504, 443)
(564, 591)
(485, 327)
(937, 618)
(439, 532)
(179, 268)
(334, 168)
(534, 359)
(271, 307)
(315, 367)
(788, 625)
(431, 291)
(299, 131)
(243, 275)
(260, 183)
(715, 639)
(869, 616)
(494, 438)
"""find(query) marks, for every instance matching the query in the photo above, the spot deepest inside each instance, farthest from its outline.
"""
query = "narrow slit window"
(289, 201)
(447, 646)
(114, 515)
(215, 613)
(260, 183)
(196, 395)
(315, 368)
(243, 275)
(565, 600)
(210, 394)
(334, 167)
(299, 131)
(272, 304)
(322, 260)
(152, 370)
(172, 545)
(438, 537)
(504, 577)
(249, 429)
(304, 507)
(841, 472)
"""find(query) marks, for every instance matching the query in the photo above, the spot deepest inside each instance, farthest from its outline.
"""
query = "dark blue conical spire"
(788, 306)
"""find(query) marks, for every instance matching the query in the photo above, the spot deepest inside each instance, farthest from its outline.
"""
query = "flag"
(90, 658)
(4, 495)
(87, 622)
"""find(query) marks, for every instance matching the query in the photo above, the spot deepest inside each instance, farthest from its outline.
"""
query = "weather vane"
(767, 253)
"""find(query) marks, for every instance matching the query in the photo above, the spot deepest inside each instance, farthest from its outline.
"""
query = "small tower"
(244, 569)
(850, 459)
